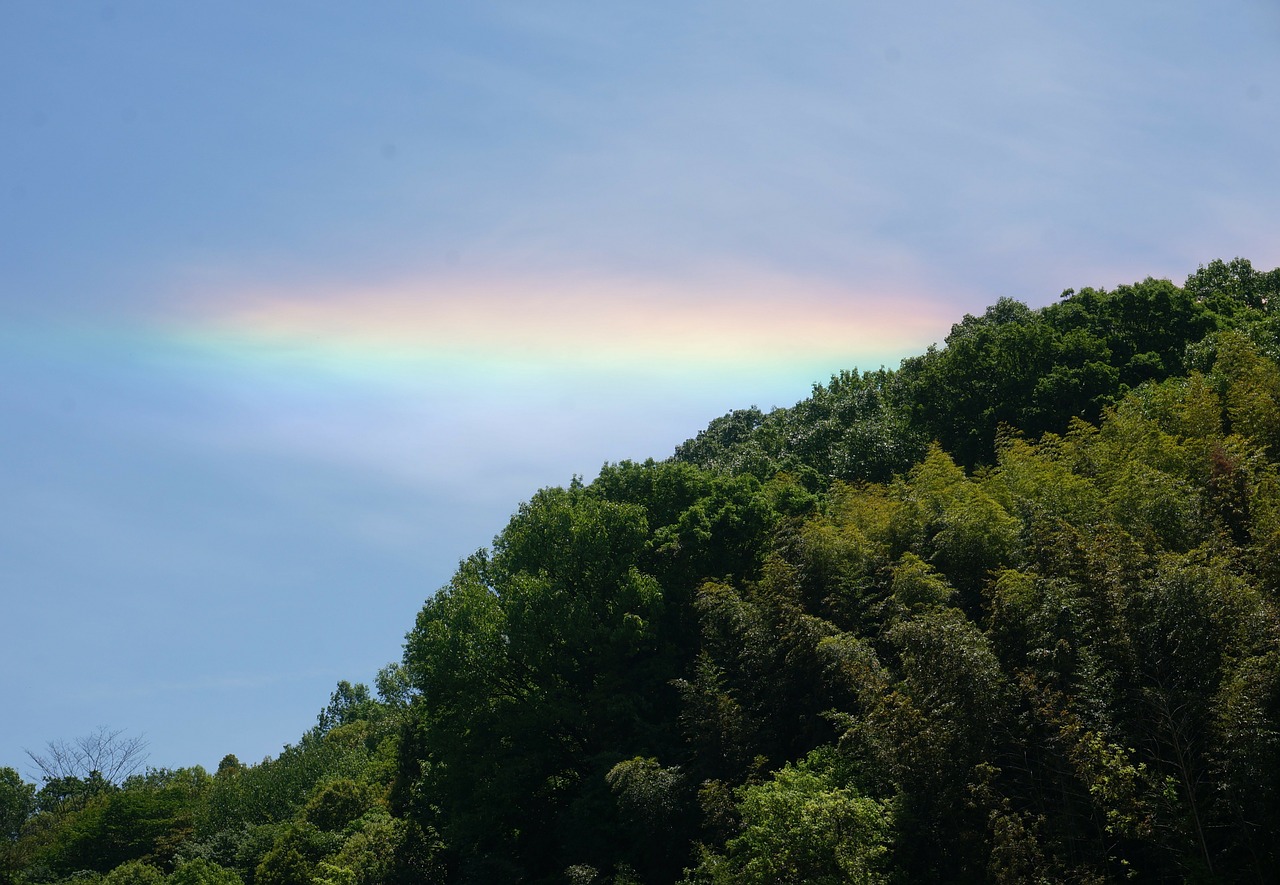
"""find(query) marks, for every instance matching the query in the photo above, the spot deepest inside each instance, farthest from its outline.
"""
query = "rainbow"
(616, 326)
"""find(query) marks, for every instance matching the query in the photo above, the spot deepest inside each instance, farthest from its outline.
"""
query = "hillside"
(1006, 613)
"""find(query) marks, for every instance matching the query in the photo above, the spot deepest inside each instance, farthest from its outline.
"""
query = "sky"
(299, 301)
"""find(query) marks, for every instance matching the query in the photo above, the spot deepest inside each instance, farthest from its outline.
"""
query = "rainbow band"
(610, 326)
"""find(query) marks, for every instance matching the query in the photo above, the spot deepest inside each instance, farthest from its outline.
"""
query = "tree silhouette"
(109, 752)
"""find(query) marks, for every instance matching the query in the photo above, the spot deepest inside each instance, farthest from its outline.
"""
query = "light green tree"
(804, 825)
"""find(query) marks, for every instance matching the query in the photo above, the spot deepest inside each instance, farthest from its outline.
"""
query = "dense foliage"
(1007, 613)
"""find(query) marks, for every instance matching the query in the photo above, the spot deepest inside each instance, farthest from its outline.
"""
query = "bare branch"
(109, 752)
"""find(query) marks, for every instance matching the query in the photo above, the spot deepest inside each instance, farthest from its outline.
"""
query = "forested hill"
(1005, 614)
(1033, 370)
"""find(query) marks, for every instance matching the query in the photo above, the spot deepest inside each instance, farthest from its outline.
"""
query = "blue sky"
(298, 301)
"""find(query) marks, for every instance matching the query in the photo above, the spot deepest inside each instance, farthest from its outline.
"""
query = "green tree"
(804, 825)
(349, 703)
(146, 819)
(199, 871)
(17, 803)
(337, 803)
(1235, 281)
(134, 872)
(955, 525)
(283, 865)
(529, 665)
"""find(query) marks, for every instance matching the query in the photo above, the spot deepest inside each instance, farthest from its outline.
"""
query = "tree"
(348, 703)
(17, 802)
(146, 818)
(109, 752)
(1237, 281)
(199, 871)
(283, 865)
(805, 825)
(961, 530)
(337, 803)
(529, 666)
(135, 872)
